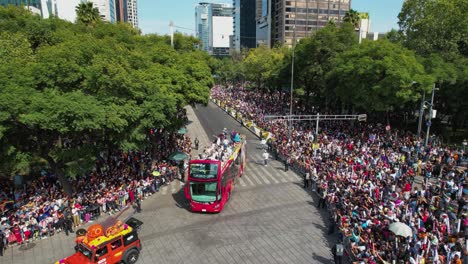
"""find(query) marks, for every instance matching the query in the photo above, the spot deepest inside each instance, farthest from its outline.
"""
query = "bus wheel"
(132, 257)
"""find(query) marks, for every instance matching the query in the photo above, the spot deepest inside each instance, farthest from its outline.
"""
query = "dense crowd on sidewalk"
(41, 208)
(365, 175)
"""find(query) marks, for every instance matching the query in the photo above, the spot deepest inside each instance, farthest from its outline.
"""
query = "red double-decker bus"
(211, 181)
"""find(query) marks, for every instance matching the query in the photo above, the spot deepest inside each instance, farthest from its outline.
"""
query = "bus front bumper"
(205, 208)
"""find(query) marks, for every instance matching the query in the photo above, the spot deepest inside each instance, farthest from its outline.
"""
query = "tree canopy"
(378, 76)
(438, 26)
(87, 14)
(69, 91)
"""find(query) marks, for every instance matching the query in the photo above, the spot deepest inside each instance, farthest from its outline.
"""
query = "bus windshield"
(203, 191)
(204, 171)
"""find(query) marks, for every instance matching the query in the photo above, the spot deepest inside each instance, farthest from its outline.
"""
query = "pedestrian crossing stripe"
(262, 175)
(253, 176)
(247, 178)
(272, 178)
(241, 181)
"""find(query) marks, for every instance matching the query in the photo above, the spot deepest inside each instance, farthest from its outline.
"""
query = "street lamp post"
(421, 114)
(430, 116)
(292, 82)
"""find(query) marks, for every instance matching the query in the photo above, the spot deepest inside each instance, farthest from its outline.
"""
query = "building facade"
(121, 10)
(34, 5)
(132, 13)
(106, 9)
(214, 27)
(263, 22)
(110, 10)
(296, 19)
(244, 24)
(64, 9)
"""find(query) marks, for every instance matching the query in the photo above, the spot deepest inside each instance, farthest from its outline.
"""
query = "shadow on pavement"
(180, 201)
(332, 238)
(320, 259)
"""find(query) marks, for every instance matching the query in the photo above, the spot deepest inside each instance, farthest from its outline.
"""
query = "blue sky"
(155, 15)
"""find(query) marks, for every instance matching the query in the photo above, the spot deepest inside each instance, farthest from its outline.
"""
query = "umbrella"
(178, 156)
(182, 131)
(156, 173)
(401, 229)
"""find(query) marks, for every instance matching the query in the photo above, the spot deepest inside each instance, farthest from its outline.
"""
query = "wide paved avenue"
(269, 219)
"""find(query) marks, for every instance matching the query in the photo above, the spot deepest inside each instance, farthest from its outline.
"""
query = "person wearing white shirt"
(265, 156)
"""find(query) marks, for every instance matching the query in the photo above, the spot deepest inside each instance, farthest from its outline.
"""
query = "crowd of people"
(367, 176)
(40, 208)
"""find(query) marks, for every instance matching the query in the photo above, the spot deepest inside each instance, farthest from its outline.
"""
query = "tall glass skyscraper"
(34, 5)
(202, 24)
(244, 24)
(214, 27)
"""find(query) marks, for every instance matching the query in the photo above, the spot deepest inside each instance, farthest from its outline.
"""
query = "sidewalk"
(196, 130)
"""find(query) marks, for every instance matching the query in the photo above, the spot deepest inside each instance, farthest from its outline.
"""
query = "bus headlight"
(216, 206)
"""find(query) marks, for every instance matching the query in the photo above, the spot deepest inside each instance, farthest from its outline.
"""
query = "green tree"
(314, 60)
(80, 92)
(87, 14)
(352, 17)
(263, 64)
(438, 26)
(378, 76)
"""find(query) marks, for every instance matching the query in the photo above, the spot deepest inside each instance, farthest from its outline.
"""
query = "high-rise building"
(295, 19)
(64, 9)
(214, 27)
(132, 13)
(106, 9)
(263, 22)
(110, 10)
(244, 24)
(121, 10)
(34, 5)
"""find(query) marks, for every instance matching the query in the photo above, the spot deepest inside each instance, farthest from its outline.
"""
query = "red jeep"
(111, 242)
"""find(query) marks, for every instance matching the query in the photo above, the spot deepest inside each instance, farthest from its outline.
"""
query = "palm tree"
(87, 14)
(352, 16)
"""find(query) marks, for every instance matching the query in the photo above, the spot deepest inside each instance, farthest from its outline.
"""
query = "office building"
(214, 27)
(34, 6)
(244, 24)
(121, 10)
(110, 10)
(132, 13)
(263, 22)
(106, 9)
(296, 19)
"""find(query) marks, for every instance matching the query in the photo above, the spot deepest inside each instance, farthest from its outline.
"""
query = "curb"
(233, 114)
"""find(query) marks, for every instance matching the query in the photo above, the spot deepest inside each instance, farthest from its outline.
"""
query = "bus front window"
(203, 191)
